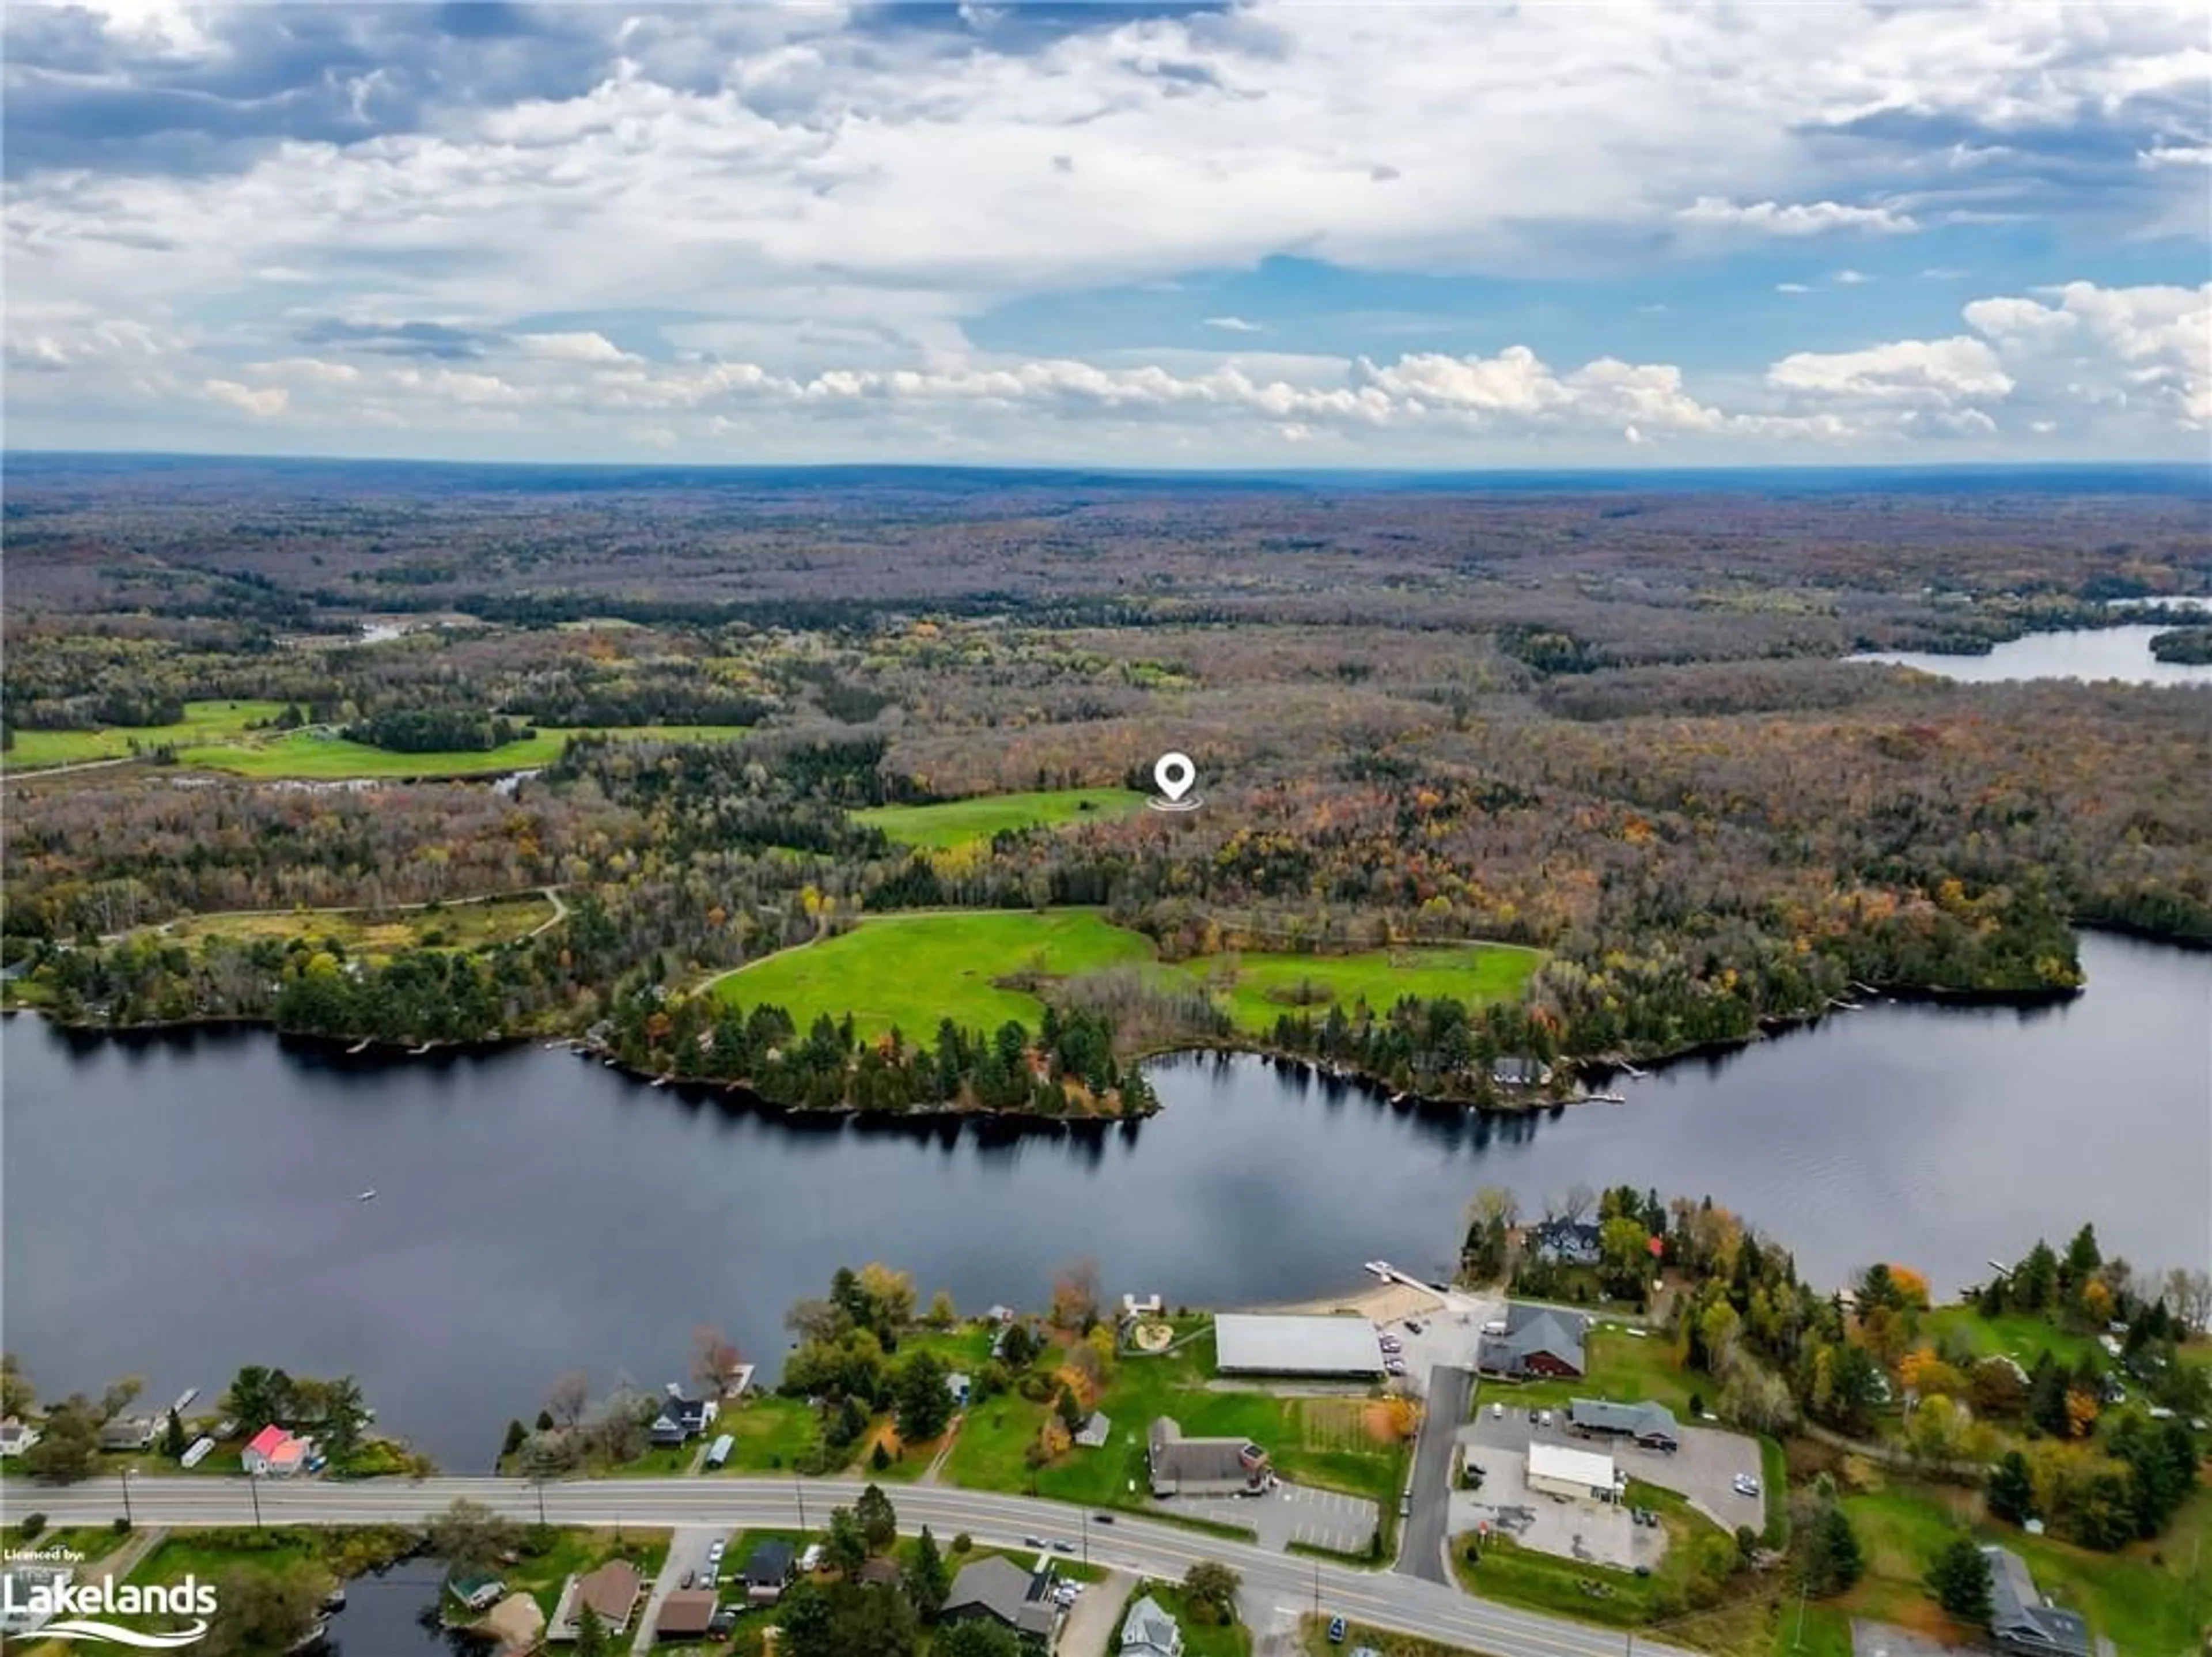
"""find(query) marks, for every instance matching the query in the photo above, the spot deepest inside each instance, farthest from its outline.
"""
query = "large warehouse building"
(1557, 1470)
(1246, 1343)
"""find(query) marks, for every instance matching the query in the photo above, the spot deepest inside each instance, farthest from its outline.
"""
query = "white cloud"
(1774, 218)
(1907, 374)
(2162, 154)
(1791, 288)
(263, 402)
(1234, 325)
(1849, 278)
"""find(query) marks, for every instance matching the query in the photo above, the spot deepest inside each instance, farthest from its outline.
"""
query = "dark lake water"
(2090, 654)
(181, 1205)
(383, 1617)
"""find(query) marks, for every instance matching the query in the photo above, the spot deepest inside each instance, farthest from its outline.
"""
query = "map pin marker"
(1174, 773)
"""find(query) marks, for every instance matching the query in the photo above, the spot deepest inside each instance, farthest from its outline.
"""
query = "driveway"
(1427, 1520)
(1701, 1471)
(1292, 1512)
(687, 1551)
(1449, 1336)
(1093, 1627)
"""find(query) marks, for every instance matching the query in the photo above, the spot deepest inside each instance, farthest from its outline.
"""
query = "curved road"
(1429, 1610)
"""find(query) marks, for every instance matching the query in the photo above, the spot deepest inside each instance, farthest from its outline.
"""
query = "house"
(1150, 1632)
(516, 1624)
(2020, 1620)
(1141, 1305)
(611, 1592)
(767, 1570)
(878, 1573)
(1560, 1470)
(1000, 1315)
(1651, 1425)
(1566, 1242)
(994, 1590)
(681, 1419)
(275, 1453)
(17, 1436)
(1537, 1341)
(1516, 1072)
(1093, 1435)
(685, 1614)
(477, 1590)
(1203, 1466)
(129, 1433)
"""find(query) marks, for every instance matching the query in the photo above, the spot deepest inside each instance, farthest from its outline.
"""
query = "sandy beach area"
(1381, 1302)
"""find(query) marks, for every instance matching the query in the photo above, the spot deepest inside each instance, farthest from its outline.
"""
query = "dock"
(662, 1081)
(361, 1046)
(184, 1400)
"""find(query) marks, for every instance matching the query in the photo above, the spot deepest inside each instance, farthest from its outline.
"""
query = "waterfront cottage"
(1537, 1341)
(1150, 1631)
(275, 1453)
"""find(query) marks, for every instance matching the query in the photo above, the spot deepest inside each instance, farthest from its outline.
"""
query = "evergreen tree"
(927, 1579)
(1960, 1579)
(591, 1635)
(1833, 1561)
(173, 1443)
(2011, 1491)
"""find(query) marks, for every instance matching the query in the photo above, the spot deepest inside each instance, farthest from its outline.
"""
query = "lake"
(2090, 654)
(177, 1205)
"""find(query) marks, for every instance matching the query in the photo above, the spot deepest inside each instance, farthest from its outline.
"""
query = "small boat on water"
(367, 1196)
(361, 1046)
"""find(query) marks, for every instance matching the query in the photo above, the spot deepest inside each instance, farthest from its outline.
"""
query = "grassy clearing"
(1623, 1366)
(448, 926)
(1259, 988)
(2025, 1335)
(966, 822)
(914, 970)
(91, 1543)
(312, 755)
(2142, 1599)
(1312, 1441)
(767, 1433)
(1198, 1639)
(203, 723)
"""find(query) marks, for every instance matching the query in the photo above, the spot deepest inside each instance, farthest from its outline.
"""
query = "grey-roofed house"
(1567, 1242)
(994, 1590)
(1651, 1425)
(1537, 1341)
(1202, 1466)
(768, 1567)
(681, 1419)
(1095, 1430)
(1519, 1072)
(129, 1433)
(2020, 1620)
(1149, 1631)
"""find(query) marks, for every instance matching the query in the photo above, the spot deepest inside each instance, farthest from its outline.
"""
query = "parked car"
(1532, 1414)
(686, 1583)
(1394, 1365)
(1062, 1545)
(1498, 1412)
(1744, 1484)
(1545, 1419)
(1033, 1542)
(1413, 1325)
(1336, 1631)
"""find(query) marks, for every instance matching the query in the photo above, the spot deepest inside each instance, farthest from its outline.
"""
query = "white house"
(1150, 1631)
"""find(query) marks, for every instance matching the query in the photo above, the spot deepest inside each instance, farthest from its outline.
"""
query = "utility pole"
(127, 1497)
(538, 1485)
(799, 1489)
(1798, 1642)
(1317, 1587)
(253, 1486)
(1086, 1538)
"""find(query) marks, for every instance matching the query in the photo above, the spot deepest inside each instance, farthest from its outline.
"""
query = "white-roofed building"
(1247, 1343)
(1562, 1470)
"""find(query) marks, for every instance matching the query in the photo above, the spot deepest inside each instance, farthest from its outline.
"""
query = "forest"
(1618, 728)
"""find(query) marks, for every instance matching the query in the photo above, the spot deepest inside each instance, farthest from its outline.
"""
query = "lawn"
(964, 822)
(2025, 1335)
(767, 1433)
(913, 970)
(1311, 1441)
(2142, 1599)
(1198, 1639)
(314, 754)
(203, 723)
(447, 926)
(89, 1542)
(1259, 987)
(1623, 1366)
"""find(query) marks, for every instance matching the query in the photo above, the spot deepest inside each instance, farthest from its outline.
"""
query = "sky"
(1267, 232)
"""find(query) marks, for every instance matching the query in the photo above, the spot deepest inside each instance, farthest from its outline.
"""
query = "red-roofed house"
(275, 1453)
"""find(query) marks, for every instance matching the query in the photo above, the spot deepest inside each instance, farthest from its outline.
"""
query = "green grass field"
(312, 755)
(203, 723)
(961, 822)
(2025, 1335)
(913, 970)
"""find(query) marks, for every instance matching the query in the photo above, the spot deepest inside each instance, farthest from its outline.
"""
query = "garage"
(1343, 1348)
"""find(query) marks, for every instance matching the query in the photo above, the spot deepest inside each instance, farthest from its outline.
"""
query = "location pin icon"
(1174, 773)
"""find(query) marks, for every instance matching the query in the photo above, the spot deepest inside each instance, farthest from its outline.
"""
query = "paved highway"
(1429, 1610)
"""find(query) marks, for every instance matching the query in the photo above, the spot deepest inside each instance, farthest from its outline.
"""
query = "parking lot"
(1702, 1471)
(1291, 1513)
(1449, 1336)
